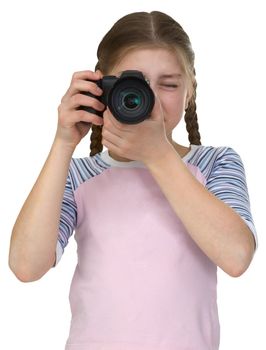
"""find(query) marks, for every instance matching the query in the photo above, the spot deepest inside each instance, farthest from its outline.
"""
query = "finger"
(109, 127)
(117, 125)
(83, 100)
(88, 118)
(82, 85)
(111, 146)
(85, 74)
(71, 118)
(157, 111)
(111, 137)
(100, 74)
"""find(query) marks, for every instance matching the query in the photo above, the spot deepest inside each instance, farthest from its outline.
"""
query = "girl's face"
(167, 80)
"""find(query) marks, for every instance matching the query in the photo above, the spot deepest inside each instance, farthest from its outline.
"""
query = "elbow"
(242, 261)
(17, 265)
(21, 275)
(237, 270)
(27, 274)
(27, 267)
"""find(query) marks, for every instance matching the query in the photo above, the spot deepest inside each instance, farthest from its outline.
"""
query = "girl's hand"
(71, 127)
(145, 141)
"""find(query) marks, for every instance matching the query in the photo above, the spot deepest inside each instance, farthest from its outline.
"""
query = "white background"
(42, 44)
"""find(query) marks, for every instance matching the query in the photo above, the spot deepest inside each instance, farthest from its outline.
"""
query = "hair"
(148, 30)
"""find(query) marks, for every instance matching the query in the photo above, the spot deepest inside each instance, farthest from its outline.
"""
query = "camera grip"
(90, 109)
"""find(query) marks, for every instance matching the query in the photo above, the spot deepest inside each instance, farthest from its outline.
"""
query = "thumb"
(157, 111)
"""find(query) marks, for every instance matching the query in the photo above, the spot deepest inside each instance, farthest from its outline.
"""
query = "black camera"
(129, 97)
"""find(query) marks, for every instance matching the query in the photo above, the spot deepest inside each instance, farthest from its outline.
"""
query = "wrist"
(63, 146)
(167, 151)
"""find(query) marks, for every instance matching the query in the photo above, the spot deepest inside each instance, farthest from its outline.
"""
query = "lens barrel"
(131, 99)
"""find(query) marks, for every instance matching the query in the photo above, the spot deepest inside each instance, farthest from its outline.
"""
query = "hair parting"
(148, 30)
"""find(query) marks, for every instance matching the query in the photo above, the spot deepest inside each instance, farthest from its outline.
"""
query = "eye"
(173, 86)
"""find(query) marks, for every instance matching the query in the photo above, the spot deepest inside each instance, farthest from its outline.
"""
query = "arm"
(34, 235)
(215, 227)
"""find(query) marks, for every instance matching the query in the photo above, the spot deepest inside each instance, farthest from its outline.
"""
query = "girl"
(152, 218)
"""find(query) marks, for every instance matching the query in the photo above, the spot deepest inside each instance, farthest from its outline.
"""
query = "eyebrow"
(174, 75)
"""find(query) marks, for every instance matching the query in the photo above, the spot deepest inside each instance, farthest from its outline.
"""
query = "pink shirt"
(141, 282)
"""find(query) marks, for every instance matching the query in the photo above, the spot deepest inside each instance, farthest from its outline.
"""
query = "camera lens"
(131, 101)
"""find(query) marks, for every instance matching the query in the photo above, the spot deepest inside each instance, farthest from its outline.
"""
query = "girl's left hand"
(145, 141)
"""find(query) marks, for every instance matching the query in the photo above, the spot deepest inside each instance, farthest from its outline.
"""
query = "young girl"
(152, 218)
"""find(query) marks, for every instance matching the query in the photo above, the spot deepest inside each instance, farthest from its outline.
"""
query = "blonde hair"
(148, 30)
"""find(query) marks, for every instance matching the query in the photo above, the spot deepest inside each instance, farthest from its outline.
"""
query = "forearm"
(35, 232)
(215, 227)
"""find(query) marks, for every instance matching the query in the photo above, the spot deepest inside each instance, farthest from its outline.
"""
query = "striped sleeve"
(68, 218)
(227, 181)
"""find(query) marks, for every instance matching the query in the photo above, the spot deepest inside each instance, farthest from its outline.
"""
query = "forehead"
(151, 61)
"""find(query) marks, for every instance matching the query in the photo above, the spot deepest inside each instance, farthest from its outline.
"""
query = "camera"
(129, 97)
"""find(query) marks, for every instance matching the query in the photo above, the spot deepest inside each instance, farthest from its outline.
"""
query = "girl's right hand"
(71, 127)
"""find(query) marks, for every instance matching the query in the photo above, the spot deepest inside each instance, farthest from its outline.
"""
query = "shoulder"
(209, 158)
(85, 168)
(204, 153)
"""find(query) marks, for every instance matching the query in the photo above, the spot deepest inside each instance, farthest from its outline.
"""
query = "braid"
(96, 133)
(191, 119)
(149, 30)
(96, 139)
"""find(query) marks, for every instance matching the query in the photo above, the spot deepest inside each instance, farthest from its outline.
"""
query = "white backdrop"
(42, 44)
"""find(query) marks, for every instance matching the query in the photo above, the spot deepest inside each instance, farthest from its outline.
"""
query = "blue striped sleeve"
(227, 181)
(68, 218)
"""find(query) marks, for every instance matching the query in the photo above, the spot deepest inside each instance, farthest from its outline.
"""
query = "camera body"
(129, 97)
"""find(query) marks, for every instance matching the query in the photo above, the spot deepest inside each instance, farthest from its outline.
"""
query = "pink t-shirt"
(141, 282)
